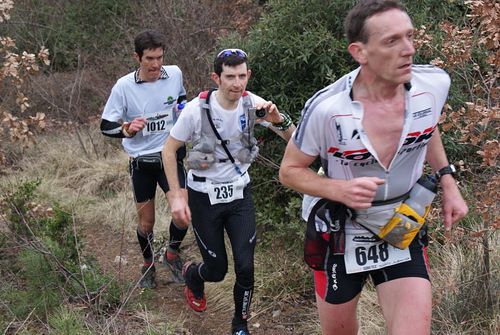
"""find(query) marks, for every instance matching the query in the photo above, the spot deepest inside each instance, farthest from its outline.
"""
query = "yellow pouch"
(403, 226)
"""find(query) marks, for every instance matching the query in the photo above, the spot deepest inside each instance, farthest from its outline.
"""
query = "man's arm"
(118, 130)
(176, 196)
(357, 193)
(454, 206)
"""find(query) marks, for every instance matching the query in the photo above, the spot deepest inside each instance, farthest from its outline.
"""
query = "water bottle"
(410, 216)
(180, 106)
(421, 195)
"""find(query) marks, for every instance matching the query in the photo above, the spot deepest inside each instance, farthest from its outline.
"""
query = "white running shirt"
(229, 124)
(155, 101)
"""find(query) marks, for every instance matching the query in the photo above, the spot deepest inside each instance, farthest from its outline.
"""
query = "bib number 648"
(374, 253)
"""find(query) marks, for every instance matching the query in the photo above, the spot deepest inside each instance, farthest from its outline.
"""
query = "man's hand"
(273, 114)
(358, 193)
(181, 214)
(454, 206)
(129, 129)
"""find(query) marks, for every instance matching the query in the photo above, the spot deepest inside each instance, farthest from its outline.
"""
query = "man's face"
(233, 81)
(388, 54)
(150, 64)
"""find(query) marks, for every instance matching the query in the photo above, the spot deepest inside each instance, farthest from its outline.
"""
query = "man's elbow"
(283, 176)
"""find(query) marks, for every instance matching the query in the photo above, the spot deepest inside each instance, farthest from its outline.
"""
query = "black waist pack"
(149, 162)
(332, 216)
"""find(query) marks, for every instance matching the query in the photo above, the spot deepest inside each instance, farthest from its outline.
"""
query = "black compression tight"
(238, 220)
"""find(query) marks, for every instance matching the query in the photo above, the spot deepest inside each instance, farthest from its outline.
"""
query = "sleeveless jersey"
(154, 101)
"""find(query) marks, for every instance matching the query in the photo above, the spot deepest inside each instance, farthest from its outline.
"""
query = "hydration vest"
(202, 155)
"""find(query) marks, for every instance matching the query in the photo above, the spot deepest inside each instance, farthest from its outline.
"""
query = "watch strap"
(448, 169)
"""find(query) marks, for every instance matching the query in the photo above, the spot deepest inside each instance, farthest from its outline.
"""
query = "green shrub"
(70, 29)
(41, 265)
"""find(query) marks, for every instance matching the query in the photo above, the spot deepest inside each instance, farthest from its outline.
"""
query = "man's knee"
(181, 226)
(214, 273)
(245, 274)
(146, 227)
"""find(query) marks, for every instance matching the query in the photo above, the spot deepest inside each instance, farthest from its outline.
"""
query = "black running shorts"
(144, 181)
(336, 286)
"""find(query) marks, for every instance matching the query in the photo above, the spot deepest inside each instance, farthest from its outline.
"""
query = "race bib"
(159, 122)
(365, 253)
(226, 191)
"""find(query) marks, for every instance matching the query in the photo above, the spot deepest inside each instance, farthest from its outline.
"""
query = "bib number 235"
(225, 192)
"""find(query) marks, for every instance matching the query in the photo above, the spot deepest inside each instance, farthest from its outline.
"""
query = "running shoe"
(196, 303)
(148, 277)
(173, 262)
(241, 332)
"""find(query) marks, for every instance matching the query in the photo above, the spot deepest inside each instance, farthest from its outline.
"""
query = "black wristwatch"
(449, 169)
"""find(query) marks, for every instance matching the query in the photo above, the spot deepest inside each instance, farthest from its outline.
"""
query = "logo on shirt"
(170, 100)
(422, 113)
(243, 122)
(340, 137)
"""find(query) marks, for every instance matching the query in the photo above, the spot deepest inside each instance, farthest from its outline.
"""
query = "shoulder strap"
(206, 108)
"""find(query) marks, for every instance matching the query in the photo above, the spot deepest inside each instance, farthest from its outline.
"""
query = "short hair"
(148, 39)
(355, 22)
(231, 59)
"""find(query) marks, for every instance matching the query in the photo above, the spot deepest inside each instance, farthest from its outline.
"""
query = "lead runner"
(373, 130)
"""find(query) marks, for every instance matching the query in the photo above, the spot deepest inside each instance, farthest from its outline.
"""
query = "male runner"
(141, 110)
(373, 129)
(219, 124)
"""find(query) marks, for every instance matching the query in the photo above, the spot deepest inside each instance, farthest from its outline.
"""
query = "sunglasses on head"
(228, 52)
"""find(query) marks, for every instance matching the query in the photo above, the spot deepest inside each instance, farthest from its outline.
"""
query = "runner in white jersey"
(219, 124)
(142, 109)
(373, 130)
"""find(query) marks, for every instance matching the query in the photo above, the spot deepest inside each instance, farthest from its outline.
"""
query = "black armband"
(111, 129)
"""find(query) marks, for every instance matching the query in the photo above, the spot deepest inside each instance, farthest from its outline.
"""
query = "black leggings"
(209, 222)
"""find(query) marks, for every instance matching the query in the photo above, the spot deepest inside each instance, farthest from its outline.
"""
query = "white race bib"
(226, 191)
(363, 253)
(159, 122)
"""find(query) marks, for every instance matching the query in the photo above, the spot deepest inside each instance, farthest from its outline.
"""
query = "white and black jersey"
(331, 128)
(131, 98)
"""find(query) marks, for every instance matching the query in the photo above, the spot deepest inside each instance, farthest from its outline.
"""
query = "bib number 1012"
(374, 254)
(156, 126)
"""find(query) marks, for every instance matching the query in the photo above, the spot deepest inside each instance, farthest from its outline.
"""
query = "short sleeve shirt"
(331, 128)
(229, 124)
(154, 101)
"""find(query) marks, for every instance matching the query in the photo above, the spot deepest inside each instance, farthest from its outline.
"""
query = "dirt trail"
(168, 300)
